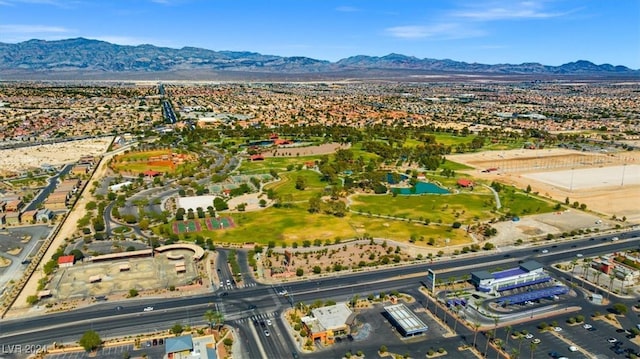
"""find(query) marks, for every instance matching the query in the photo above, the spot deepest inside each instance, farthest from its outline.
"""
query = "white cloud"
(505, 10)
(438, 31)
(32, 29)
(347, 9)
(125, 40)
(57, 3)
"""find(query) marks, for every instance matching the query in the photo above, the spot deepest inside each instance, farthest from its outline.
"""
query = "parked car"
(148, 309)
(573, 348)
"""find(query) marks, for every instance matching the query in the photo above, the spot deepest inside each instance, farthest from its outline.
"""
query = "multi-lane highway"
(260, 301)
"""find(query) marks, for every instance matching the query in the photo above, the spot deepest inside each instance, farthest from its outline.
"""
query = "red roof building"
(256, 158)
(66, 261)
(465, 183)
(151, 173)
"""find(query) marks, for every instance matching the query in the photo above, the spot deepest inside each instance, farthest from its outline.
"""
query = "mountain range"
(86, 58)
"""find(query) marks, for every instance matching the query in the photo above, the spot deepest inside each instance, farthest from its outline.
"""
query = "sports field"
(219, 223)
(186, 226)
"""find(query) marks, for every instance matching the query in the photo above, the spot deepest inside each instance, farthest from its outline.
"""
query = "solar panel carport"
(407, 323)
(533, 295)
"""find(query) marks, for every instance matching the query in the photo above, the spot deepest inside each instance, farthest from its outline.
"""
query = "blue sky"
(551, 32)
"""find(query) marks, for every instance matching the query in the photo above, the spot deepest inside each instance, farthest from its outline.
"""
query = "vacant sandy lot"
(21, 159)
(597, 179)
(324, 149)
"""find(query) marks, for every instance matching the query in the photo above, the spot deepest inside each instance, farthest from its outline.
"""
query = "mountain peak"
(44, 58)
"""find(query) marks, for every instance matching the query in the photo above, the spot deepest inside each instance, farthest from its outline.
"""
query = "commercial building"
(527, 273)
(188, 347)
(407, 323)
(327, 323)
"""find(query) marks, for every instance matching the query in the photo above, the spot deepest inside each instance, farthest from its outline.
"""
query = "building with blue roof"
(526, 274)
(187, 347)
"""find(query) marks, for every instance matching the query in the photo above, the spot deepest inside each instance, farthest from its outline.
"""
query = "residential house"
(12, 218)
(44, 215)
(28, 216)
(14, 205)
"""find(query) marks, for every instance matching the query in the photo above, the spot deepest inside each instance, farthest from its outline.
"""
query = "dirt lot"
(592, 186)
(326, 148)
(145, 274)
(22, 159)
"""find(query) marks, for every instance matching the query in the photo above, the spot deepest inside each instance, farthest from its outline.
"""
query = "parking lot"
(116, 352)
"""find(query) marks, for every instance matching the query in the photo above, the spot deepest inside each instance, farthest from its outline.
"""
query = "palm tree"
(506, 338)
(455, 319)
(612, 277)
(520, 340)
(486, 347)
(598, 274)
(573, 265)
(586, 264)
(533, 347)
(476, 326)
(213, 317)
(515, 353)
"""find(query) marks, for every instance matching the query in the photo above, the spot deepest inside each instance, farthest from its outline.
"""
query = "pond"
(421, 188)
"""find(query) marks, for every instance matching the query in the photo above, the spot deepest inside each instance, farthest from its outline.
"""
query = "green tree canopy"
(90, 340)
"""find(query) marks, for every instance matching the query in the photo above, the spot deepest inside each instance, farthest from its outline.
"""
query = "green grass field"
(287, 185)
(289, 225)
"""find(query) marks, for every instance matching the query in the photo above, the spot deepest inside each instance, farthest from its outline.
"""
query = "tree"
(620, 308)
(314, 204)
(213, 317)
(90, 340)
(177, 329)
(533, 347)
(476, 326)
(301, 183)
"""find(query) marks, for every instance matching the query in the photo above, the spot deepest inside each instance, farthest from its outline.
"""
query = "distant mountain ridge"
(80, 54)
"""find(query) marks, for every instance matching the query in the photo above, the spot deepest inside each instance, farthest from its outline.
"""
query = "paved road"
(237, 303)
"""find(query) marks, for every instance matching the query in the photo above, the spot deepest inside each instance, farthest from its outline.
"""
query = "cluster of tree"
(333, 207)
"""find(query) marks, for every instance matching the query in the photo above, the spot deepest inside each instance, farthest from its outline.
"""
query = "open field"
(289, 225)
(26, 158)
(151, 273)
(325, 148)
(597, 178)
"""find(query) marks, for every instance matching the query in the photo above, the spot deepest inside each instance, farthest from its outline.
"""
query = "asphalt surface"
(241, 306)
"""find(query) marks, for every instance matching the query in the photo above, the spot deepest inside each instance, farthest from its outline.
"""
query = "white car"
(579, 255)
(148, 309)
(573, 348)
(268, 321)
(228, 282)
(545, 251)
(587, 326)
(536, 341)
(557, 329)
(529, 336)
(612, 340)
(614, 239)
